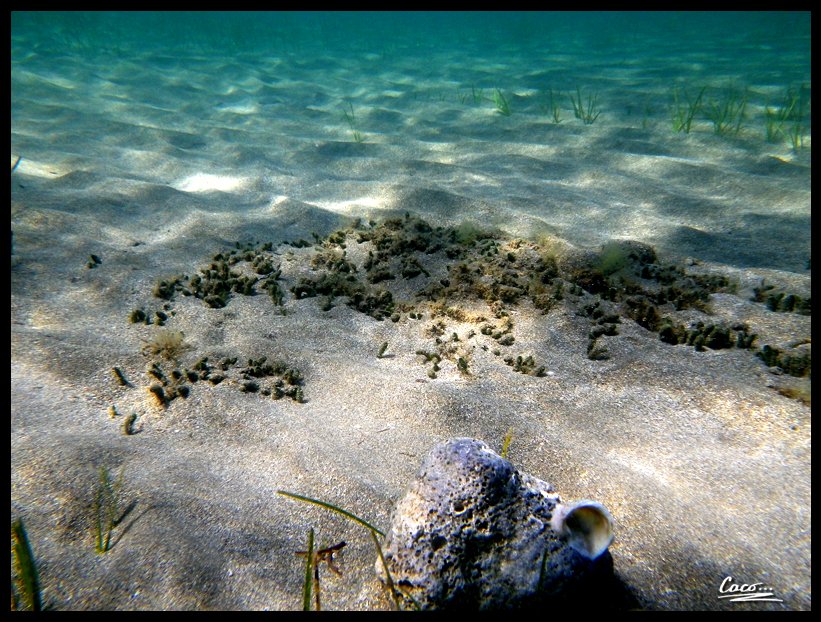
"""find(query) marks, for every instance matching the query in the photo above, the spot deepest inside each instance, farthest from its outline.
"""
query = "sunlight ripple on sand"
(204, 182)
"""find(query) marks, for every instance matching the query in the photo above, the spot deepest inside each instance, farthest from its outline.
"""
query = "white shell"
(587, 525)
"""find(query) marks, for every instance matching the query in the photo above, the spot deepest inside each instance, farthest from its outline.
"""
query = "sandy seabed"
(153, 166)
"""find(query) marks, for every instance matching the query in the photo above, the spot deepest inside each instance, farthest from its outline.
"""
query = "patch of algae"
(485, 275)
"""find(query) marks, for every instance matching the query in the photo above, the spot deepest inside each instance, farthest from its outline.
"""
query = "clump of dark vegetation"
(702, 335)
(795, 360)
(496, 274)
(378, 303)
(278, 378)
(166, 288)
(781, 301)
(643, 312)
(500, 330)
(462, 365)
(605, 321)
(217, 282)
(140, 316)
(361, 265)
(165, 389)
(604, 324)
(287, 381)
(596, 351)
(629, 276)
(526, 365)
(433, 358)
(630, 271)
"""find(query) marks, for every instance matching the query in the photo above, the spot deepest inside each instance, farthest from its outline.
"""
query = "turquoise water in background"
(752, 48)
(268, 96)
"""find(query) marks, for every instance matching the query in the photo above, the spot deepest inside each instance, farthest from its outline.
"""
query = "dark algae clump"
(781, 301)
(795, 361)
(623, 280)
(274, 379)
(281, 379)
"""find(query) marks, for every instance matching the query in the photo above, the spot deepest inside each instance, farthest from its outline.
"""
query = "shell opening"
(587, 525)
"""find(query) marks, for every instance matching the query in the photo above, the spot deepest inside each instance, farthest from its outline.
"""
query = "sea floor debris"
(467, 279)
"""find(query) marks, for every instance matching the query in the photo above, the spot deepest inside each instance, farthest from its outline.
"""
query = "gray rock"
(473, 532)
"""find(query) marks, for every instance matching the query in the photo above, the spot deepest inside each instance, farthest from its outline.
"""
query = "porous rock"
(473, 532)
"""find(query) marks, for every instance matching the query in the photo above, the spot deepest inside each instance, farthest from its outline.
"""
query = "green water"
(301, 102)
(752, 48)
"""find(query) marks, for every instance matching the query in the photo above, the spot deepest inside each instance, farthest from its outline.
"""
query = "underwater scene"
(411, 310)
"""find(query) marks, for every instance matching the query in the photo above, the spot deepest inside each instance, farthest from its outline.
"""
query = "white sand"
(705, 468)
